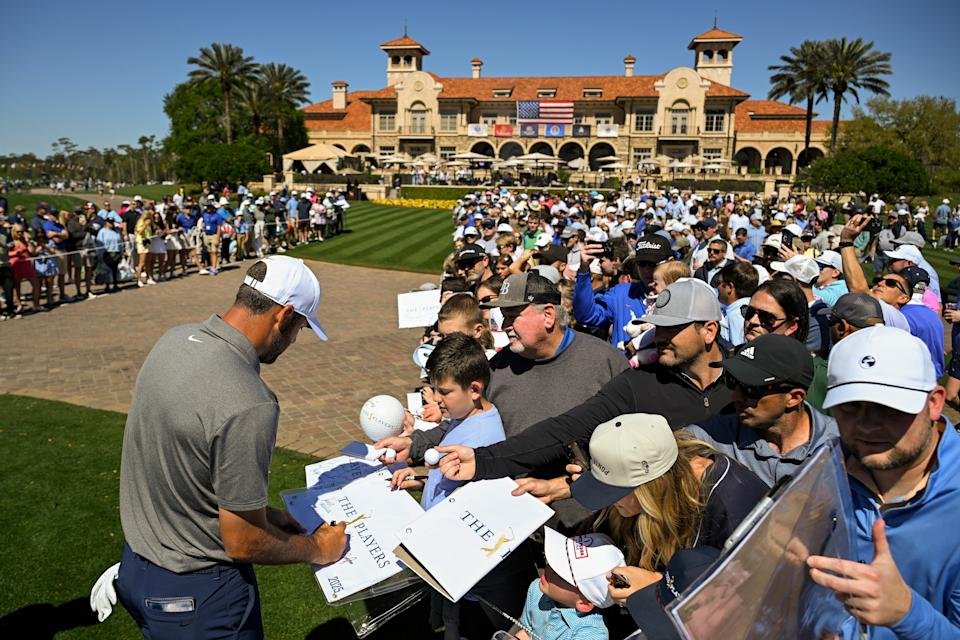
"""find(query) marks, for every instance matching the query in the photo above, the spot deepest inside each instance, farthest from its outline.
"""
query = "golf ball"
(389, 454)
(431, 457)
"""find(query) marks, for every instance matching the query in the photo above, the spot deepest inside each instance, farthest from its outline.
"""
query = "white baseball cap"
(585, 562)
(138, 197)
(906, 252)
(503, 227)
(883, 365)
(626, 452)
(289, 281)
(223, 202)
(471, 231)
(831, 258)
(803, 268)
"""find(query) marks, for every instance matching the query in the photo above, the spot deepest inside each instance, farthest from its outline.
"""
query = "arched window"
(418, 118)
(407, 61)
(721, 55)
(395, 60)
(707, 55)
(680, 118)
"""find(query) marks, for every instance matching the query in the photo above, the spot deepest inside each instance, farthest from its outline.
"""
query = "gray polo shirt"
(199, 436)
(747, 446)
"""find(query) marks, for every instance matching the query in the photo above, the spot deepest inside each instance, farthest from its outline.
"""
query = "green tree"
(223, 163)
(852, 66)
(879, 169)
(194, 113)
(253, 98)
(801, 78)
(285, 89)
(225, 66)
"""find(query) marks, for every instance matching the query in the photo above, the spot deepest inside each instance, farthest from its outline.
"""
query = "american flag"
(544, 112)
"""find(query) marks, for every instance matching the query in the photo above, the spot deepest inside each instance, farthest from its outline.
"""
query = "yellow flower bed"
(416, 203)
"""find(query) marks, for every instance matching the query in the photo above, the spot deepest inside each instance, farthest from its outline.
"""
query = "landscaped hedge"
(689, 184)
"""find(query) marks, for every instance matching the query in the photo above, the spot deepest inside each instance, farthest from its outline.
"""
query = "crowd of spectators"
(94, 250)
(701, 349)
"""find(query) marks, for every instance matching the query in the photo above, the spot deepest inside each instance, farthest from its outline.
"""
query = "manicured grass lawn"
(387, 238)
(29, 202)
(61, 527)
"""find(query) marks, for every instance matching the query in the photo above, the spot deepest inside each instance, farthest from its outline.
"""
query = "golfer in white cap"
(196, 456)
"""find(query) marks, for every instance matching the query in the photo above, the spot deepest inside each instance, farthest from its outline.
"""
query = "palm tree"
(851, 66)
(225, 65)
(286, 88)
(253, 97)
(801, 77)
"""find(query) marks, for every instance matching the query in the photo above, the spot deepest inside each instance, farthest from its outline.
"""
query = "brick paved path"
(89, 352)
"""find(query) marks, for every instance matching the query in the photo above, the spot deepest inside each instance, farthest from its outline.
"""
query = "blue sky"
(96, 72)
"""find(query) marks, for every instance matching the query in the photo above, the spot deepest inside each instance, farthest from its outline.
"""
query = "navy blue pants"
(220, 602)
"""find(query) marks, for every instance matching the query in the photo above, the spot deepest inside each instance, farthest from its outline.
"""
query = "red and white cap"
(585, 562)
(289, 281)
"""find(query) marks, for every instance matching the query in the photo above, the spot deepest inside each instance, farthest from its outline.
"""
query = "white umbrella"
(713, 167)
(458, 163)
(614, 165)
(607, 159)
(537, 157)
(470, 155)
(578, 163)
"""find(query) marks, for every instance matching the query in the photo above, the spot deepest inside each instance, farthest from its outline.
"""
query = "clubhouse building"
(689, 119)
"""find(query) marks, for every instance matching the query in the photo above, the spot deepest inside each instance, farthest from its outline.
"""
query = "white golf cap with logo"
(289, 281)
(883, 365)
(626, 452)
(584, 561)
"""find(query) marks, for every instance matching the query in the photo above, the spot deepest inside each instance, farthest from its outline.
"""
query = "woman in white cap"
(661, 492)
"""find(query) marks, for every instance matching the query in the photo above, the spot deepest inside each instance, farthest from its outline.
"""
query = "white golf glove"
(103, 596)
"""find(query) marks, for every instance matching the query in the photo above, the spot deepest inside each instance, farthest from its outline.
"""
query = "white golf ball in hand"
(432, 457)
(390, 454)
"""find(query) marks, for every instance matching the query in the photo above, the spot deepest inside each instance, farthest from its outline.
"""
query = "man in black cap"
(473, 264)
(774, 429)
(553, 255)
(623, 302)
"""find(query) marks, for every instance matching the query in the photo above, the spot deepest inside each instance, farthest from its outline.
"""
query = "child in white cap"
(565, 601)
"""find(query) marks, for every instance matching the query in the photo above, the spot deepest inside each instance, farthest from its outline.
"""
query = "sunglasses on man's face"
(891, 283)
(751, 392)
(765, 319)
(716, 251)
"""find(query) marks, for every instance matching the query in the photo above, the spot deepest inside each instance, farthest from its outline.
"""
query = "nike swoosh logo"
(192, 339)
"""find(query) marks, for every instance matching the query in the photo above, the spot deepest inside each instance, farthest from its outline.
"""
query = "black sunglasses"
(752, 392)
(716, 250)
(766, 319)
(892, 283)
(486, 299)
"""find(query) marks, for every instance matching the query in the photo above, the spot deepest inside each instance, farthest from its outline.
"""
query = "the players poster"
(356, 492)
(460, 540)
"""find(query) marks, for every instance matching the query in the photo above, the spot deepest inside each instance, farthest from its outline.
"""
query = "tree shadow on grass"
(44, 620)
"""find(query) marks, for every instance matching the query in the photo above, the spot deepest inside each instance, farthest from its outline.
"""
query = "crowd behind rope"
(705, 348)
(146, 242)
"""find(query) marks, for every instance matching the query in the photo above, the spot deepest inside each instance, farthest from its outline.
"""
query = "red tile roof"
(568, 88)
(757, 116)
(404, 41)
(321, 116)
(716, 34)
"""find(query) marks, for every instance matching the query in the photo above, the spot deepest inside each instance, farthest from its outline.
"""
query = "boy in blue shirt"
(565, 602)
(459, 374)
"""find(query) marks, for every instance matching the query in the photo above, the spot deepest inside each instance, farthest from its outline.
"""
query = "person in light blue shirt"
(110, 250)
(460, 374)
(735, 285)
(830, 283)
(903, 577)
(742, 246)
(756, 233)
(108, 212)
